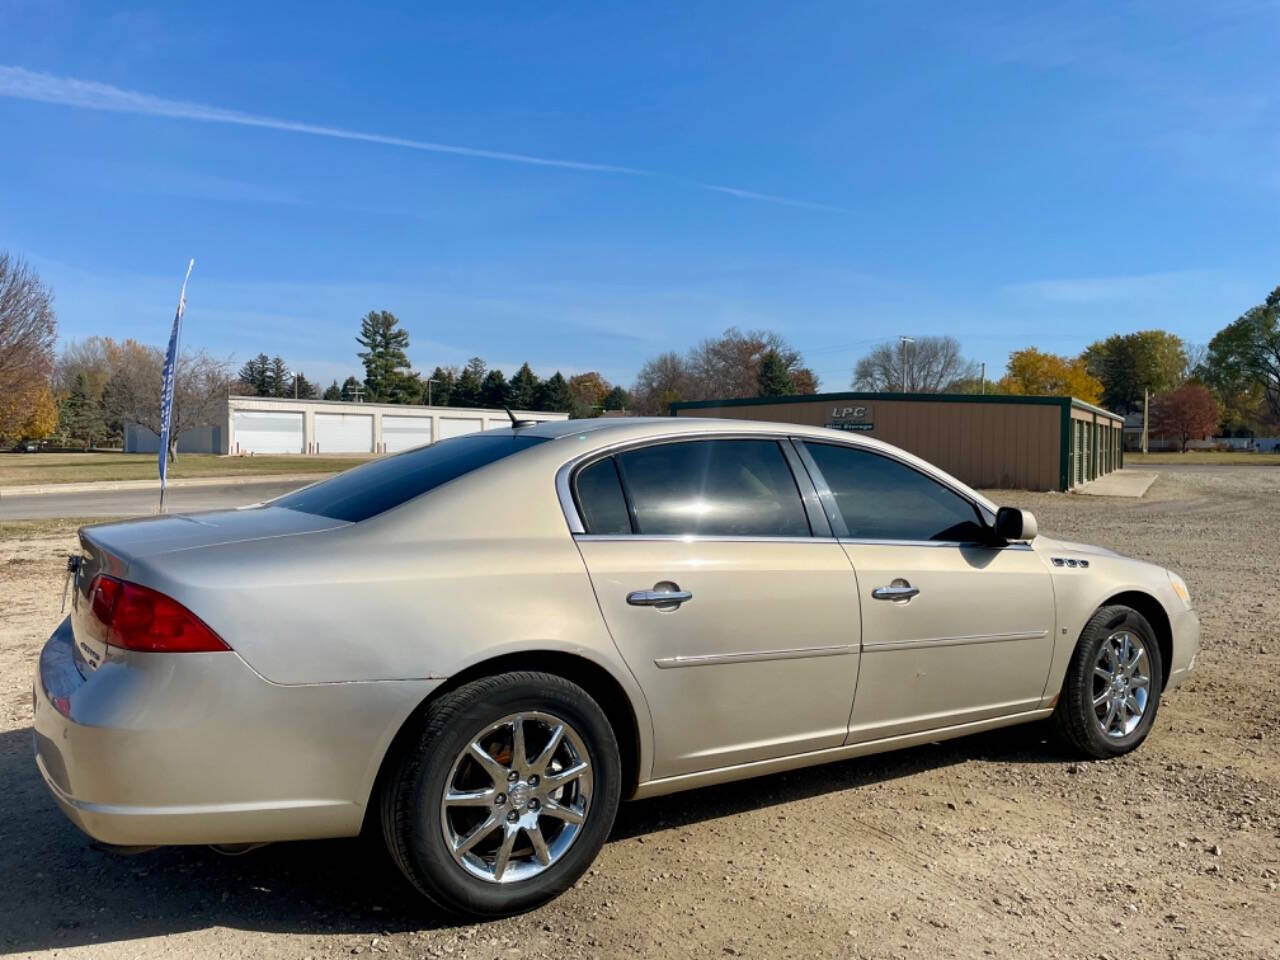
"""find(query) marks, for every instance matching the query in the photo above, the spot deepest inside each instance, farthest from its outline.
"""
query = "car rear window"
(375, 487)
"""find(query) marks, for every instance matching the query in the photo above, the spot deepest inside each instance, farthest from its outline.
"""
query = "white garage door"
(404, 433)
(457, 426)
(344, 433)
(265, 431)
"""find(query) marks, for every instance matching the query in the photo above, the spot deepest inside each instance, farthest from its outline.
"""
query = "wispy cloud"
(22, 84)
(1095, 290)
(25, 84)
(770, 198)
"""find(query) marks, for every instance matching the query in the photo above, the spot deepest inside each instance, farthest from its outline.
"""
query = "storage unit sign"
(857, 418)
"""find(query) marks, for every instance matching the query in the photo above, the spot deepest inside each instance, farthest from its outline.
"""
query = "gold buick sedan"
(481, 646)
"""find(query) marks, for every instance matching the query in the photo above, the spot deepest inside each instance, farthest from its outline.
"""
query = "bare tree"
(132, 395)
(920, 365)
(720, 367)
(27, 332)
(663, 380)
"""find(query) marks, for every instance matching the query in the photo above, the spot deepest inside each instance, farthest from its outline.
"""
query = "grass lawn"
(1200, 456)
(31, 468)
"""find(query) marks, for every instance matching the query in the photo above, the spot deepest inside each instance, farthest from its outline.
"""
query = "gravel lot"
(994, 845)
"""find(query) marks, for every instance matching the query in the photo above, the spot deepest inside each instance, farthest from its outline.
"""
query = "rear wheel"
(1112, 689)
(505, 795)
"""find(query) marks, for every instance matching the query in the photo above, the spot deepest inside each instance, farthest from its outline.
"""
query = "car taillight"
(139, 618)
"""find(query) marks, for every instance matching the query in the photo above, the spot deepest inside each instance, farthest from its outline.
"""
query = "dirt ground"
(996, 845)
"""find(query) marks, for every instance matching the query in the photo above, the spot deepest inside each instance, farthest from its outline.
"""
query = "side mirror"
(1015, 524)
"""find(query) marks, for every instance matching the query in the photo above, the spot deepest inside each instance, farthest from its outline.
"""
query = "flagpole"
(168, 376)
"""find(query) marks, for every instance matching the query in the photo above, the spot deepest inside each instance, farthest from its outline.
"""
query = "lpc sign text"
(858, 418)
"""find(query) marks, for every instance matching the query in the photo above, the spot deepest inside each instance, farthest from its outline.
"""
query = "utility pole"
(1146, 402)
(984, 378)
(903, 341)
(429, 383)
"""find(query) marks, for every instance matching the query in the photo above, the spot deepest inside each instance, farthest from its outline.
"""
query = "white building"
(275, 425)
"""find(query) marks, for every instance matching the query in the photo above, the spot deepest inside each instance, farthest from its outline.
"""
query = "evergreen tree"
(617, 399)
(774, 379)
(467, 391)
(494, 390)
(522, 391)
(279, 380)
(332, 392)
(441, 392)
(302, 388)
(351, 388)
(79, 418)
(386, 365)
(255, 375)
(553, 395)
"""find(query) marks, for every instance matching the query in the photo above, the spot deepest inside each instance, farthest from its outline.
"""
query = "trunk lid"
(112, 548)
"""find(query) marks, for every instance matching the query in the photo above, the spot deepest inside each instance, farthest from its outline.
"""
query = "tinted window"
(741, 488)
(382, 484)
(882, 499)
(604, 508)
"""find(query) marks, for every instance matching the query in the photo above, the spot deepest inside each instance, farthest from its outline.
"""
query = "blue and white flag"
(166, 381)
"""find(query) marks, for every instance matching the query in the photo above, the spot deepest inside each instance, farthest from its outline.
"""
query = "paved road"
(138, 503)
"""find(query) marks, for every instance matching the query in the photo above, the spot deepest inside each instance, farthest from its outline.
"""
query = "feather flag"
(166, 383)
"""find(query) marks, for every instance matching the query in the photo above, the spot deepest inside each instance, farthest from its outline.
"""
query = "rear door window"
(601, 500)
(732, 488)
(375, 487)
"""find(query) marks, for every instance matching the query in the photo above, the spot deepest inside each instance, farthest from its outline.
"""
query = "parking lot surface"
(993, 845)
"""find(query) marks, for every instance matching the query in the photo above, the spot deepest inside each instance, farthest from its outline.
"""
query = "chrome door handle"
(898, 590)
(658, 598)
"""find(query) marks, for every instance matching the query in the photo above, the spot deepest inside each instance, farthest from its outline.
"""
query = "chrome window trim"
(695, 538)
(796, 442)
(564, 473)
(754, 656)
(870, 542)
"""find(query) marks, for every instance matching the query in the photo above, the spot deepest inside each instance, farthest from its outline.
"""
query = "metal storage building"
(1030, 443)
(281, 425)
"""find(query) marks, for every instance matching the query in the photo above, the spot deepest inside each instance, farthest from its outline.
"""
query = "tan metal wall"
(984, 443)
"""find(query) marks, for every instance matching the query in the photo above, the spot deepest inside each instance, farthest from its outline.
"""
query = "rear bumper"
(197, 748)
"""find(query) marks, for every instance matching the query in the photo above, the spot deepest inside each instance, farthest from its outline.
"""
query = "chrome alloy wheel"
(507, 817)
(1121, 683)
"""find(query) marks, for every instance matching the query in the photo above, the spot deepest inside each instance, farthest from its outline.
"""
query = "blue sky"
(841, 172)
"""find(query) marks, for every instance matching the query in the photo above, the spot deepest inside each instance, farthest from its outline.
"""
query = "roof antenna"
(516, 424)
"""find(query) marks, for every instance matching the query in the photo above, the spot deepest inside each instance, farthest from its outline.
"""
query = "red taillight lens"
(139, 618)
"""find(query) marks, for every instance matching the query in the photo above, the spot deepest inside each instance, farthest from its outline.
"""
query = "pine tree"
(617, 399)
(351, 388)
(774, 379)
(494, 390)
(386, 365)
(279, 380)
(467, 391)
(441, 392)
(332, 392)
(553, 395)
(256, 375)
(303, 388)
(522, 391)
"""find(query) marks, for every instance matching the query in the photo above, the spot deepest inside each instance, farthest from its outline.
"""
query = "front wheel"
(1112, 689)
(505, 795)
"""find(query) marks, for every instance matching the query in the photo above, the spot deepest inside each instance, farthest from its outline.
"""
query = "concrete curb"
(1121, 483)
(103, 486)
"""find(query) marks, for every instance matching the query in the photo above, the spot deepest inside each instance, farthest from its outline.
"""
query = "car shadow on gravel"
(60, 890)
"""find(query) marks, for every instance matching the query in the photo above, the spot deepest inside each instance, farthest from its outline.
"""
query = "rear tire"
(1112, 689)
(509, 826)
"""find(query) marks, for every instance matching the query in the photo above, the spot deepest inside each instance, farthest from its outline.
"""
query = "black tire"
(1074, 718)
(411, 795)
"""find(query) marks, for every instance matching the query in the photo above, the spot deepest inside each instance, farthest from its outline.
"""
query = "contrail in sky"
(22, 84)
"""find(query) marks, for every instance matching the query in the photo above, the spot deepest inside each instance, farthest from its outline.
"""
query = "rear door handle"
(673, 596)
(899, 590)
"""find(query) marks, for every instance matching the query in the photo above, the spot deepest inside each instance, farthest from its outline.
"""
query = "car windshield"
(375, 487)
